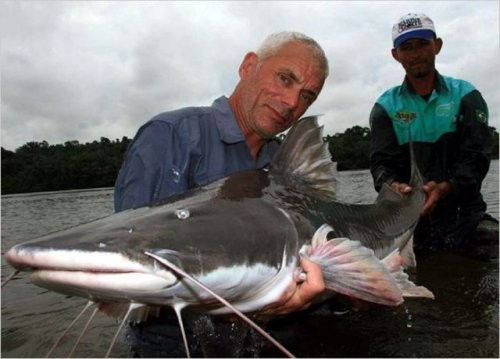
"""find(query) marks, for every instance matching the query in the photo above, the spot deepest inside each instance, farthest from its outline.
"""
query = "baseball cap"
(412, 26)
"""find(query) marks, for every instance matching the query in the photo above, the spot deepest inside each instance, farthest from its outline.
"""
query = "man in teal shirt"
(448, 119)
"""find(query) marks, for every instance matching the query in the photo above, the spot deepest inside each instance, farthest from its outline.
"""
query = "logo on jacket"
(481, 116)
(445, 109)
(405, 116)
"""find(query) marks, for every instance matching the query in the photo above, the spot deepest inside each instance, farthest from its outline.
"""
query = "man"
(194, 146)
(448, 119)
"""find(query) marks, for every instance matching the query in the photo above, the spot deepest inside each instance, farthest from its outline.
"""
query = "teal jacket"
(450, 134)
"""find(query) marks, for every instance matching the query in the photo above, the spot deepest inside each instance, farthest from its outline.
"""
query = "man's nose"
(291, 98)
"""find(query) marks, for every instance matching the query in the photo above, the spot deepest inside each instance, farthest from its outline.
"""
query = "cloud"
(82, 70)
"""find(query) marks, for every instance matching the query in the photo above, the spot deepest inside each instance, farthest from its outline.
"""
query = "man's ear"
(395, 55)
(248, 65)
(439, 44)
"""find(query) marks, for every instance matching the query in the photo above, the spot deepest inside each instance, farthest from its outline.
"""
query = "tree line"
(38, 166)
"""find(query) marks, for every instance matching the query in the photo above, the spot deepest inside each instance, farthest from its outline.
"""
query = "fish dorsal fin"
(304, 162)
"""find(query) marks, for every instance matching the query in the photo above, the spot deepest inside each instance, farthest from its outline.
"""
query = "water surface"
(461, 322)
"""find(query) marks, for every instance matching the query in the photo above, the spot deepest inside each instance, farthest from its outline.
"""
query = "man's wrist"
(445, 187)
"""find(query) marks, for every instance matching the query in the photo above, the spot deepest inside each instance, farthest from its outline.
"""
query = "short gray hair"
(275, 41)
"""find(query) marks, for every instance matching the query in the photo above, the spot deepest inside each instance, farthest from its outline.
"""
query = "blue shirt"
(183, 149)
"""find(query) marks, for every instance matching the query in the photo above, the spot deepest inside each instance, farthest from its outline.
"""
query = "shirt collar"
(439, 85)
(229, 131)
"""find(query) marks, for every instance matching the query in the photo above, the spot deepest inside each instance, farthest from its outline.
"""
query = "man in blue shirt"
(448, 119)
(183, 149)
(193, 146)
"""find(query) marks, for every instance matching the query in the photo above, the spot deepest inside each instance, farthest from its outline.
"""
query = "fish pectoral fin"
(143, 313)
(113, 309)
(351, 269)
(140, 312)
(393, 263)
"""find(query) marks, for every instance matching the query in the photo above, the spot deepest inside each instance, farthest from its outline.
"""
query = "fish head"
(207, 234)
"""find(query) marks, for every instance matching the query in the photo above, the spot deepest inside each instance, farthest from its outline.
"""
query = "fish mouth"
(100, 276)
(28, 257)
(100, 286)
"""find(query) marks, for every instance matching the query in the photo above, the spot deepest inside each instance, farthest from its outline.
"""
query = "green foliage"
(38, 166)
(350, 149)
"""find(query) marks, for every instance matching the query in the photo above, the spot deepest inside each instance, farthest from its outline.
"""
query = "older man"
(194, 146)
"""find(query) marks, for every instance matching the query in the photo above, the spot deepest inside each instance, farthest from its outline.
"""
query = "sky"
(82, 70)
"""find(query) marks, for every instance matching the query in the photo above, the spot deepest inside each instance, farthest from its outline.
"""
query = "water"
(461, 322)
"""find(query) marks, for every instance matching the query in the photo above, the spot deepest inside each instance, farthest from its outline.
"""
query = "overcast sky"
(81, 70)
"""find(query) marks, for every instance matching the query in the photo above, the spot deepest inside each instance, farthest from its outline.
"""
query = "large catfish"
(241, 237)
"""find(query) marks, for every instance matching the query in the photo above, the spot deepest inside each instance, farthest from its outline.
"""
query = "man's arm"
(150, 170)
(145, 177)
(472, 154)
(474, 146)
(386, 157)
(386, 161)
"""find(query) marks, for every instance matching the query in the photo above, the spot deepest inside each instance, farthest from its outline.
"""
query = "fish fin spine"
(303, 160)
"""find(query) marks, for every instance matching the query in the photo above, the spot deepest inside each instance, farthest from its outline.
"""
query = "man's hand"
(299, 295)
(403, 188)
(434, 192)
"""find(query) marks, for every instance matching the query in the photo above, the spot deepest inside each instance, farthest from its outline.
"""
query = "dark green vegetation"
(350, 149)
(38, 166)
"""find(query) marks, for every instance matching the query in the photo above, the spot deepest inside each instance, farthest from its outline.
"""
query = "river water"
(461, 322)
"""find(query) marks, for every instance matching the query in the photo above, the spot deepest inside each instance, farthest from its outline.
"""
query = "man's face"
(417, 56)
(279, 89)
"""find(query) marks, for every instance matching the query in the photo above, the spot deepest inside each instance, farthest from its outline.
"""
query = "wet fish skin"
(241, 236)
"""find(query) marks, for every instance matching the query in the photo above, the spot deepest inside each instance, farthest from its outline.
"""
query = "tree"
(38, 166)
(350, 149)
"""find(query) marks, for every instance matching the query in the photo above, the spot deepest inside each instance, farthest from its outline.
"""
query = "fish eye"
(182, 213)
